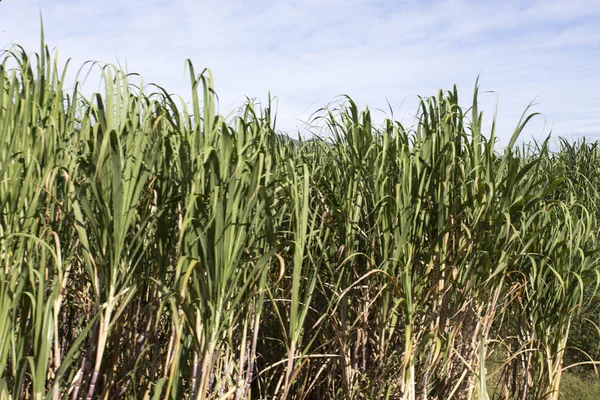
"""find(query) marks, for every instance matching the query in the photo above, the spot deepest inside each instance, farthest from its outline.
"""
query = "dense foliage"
(151, 249)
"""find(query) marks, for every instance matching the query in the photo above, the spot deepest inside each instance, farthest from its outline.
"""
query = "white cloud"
(309, 51)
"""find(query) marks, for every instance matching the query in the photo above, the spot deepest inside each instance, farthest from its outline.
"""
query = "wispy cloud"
(309, 51)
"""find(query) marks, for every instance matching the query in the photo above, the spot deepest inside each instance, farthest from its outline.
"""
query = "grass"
(153, 249)
(580, 387)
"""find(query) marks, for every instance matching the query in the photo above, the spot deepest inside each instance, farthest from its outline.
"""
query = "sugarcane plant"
(153, 248)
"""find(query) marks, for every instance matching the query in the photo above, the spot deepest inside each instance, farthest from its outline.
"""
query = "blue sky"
(308, 52)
